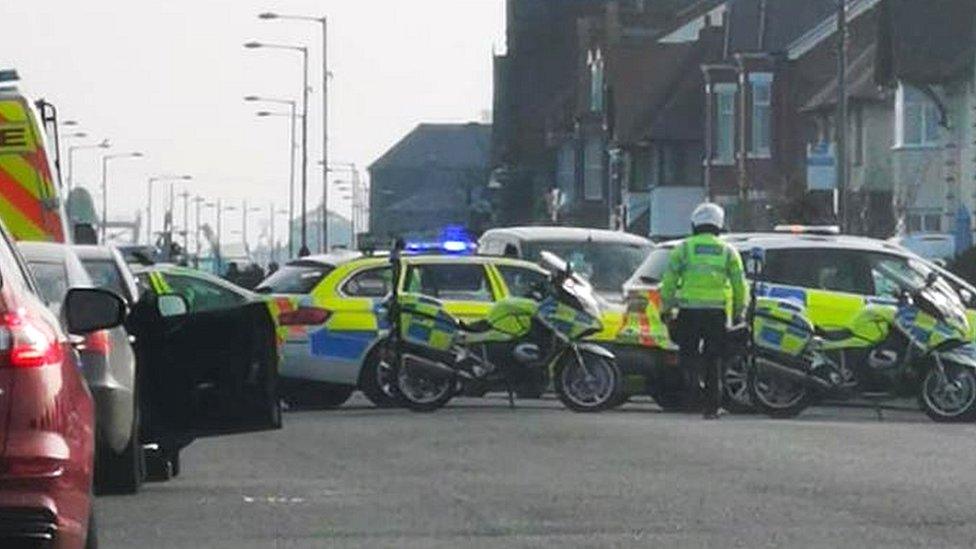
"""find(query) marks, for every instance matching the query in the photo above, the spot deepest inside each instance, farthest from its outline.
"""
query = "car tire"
(370, 385)
(91, 537)
(735, 388)
(124, 472)
(311, 395)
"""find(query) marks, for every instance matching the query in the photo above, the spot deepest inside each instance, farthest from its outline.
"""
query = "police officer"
(704, 280)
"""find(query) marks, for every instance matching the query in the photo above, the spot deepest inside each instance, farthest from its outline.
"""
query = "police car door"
(213, 369)
(462, 287)
(833, 284)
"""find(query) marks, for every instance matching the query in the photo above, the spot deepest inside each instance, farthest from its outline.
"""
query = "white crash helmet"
(708, 214)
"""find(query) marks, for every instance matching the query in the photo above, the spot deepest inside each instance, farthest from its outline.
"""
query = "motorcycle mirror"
(755, 261)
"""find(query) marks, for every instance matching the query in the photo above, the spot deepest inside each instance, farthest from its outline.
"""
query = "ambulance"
(30, 189)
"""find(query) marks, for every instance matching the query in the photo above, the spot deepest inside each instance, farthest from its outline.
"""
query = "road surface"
(478, 474)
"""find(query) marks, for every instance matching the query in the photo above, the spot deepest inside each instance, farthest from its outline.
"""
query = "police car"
(331, 312)
(832, 275)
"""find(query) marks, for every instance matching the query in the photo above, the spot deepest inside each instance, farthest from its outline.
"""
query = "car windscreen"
(652, 269)
(105, 274)
(295, 278)
(607, 265)
(52, 280)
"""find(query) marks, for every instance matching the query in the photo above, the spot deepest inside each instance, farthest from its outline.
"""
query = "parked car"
(47, 415)
(109, 365)
(832, 276)
(108, 270)
(332, 316)
(606, 258)
(210, 346)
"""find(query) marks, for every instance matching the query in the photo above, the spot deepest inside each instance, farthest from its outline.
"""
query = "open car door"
(209, 363)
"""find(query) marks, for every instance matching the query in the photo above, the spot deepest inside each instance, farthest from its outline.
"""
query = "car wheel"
(91, 538)
(735, 387)
(309, 395)
(123, 473)
(375, 381)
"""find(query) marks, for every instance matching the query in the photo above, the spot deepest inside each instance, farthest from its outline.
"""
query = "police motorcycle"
(431, 356)
(916, 344)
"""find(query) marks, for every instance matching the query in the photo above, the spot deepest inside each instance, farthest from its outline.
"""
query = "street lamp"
(198, 201)
(244, 211)
(324, 21)
(291, 156)
(358, 202)
(149, 215)
(274, 244)
(105, 160)
(71, 154)
(304, 251)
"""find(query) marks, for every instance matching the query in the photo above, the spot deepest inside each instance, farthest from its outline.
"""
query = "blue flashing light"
(455, 246)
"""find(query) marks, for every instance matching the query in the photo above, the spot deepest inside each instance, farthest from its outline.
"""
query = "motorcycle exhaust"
(794, 375)
(423, 367)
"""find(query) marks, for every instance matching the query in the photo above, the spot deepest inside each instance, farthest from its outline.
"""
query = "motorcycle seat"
(834, 334)
(477, 327)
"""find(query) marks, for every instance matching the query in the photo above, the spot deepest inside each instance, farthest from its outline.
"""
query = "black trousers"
(700, 335)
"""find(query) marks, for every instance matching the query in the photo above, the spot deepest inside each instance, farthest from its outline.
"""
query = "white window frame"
(760, 143)
(928, 116)
(724, 92)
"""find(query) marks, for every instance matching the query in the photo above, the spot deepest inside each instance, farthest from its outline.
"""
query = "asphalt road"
(478, 474)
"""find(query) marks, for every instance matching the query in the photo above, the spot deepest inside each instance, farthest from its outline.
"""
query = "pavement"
(478, 474)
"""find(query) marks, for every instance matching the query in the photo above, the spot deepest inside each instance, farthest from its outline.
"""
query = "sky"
(167, 78)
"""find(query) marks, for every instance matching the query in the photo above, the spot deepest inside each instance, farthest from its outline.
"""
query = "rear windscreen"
(105, 275)
(295, 278)
(52, 281)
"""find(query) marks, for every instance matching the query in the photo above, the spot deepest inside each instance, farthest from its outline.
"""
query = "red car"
(47, 422)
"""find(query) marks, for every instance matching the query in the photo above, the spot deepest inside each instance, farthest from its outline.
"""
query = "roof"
(451, 146)
(426, 259)
(44, 251)
(440, 199)
(785, 21)
(788, 240)
(551, 234)
(928, 42)
(336, 257)
(85, 251)
(169, 268)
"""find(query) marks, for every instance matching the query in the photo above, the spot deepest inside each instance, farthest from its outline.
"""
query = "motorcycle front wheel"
(418, 392)
(775, 396)
(949, 399)
(593, 388)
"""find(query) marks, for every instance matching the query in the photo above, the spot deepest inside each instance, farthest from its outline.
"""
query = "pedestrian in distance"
(705, 282)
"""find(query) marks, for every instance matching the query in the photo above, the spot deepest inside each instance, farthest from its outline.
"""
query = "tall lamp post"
(293, 116)
(354, 171)
(105, 160)
(244, 211)
(274, 244)
(149, 212)
(324, 22)
(303, 251)
(198, 202)
(71, 155)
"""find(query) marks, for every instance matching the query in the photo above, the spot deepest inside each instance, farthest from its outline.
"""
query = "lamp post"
(355, 183)
(291, 156)
(197, 201)
(156, 179)
(105, 160)
(303, 251)
(324, 22)
(71, 155)
(244, 211)
(185, 195)
(274, 244)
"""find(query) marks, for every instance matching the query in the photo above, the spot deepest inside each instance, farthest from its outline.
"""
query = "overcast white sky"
(167, 77)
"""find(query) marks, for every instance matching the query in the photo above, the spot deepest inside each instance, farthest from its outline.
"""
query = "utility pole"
(840, 195)
(198, 200)
(185, 195)
(325, 134)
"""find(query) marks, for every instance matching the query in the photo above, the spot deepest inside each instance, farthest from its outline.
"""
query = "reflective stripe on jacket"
(704, 273)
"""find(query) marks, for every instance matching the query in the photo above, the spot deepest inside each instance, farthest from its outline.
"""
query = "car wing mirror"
(172, 305)
(967, 297)
(89, 310)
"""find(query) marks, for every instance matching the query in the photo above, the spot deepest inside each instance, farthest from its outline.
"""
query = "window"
(105, 274)
(519, 280)
(593, 170)
(916, 118)
(52, 281)
(724, 138)
(762, 113)
(12, 270)
(449, 282)
(607, 265)
(202, 295)
(369, 283)
(300, 277)
(889, 273)
(597, 81)
(819, 268)
(643, 169)
(651, 271)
